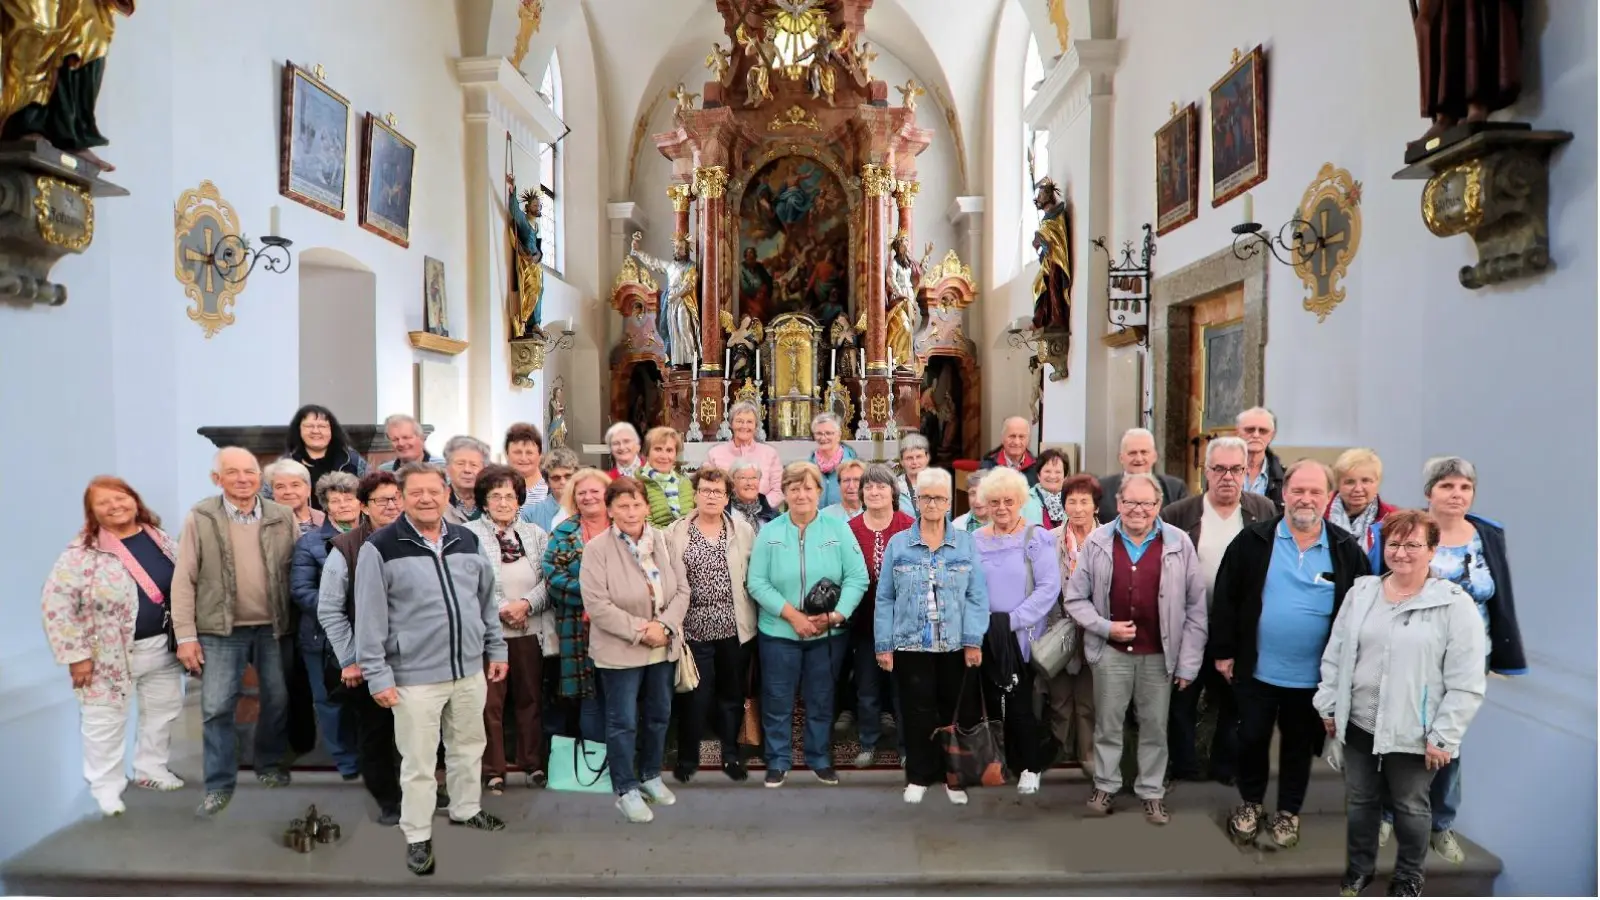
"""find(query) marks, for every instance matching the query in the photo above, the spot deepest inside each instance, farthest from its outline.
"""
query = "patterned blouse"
(710, 616)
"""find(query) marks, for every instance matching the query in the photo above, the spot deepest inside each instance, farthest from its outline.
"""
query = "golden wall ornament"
(633, 273)
(878, 408)
(905, 193)
(529, 14)
(949, 267)
(708, 412)
(681, 195)
(527, 357)
(710, 182)
(1332, 204)
(201, 221)
(876, 181)
(63, 214)
(794, 117)
(1057, 12)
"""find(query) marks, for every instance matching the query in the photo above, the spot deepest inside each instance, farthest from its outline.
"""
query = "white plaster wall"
(337, 364)
(1414, 365)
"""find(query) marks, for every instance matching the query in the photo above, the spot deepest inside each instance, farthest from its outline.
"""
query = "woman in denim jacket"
(932, 613)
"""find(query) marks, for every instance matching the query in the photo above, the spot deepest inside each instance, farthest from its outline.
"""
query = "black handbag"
(822, 599)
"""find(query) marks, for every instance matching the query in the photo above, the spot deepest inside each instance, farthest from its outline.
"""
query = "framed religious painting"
(435, 308)
(1239, 127)
(314, 143)
(1178, 169)
(388, 162)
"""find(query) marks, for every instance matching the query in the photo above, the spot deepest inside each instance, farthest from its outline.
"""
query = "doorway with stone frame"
(1216, 305)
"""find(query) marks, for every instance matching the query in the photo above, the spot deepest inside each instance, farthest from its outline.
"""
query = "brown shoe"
(1245, 823)
(1099, 803)
(1155, 812)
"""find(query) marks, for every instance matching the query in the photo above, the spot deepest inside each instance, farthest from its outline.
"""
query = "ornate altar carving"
(796, 392)
(948, 407)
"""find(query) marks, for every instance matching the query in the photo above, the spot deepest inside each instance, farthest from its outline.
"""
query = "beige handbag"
(688, 673)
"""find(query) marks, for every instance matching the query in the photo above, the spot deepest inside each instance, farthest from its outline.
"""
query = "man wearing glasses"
(1212, 520)
(1257, 427)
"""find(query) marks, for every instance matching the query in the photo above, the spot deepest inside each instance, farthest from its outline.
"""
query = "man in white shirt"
(1212, 520)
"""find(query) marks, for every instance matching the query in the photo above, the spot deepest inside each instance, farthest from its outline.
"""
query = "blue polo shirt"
(1296, 612)
(1136, 550)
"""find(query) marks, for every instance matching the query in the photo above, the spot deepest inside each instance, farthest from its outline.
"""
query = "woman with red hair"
(107, 617)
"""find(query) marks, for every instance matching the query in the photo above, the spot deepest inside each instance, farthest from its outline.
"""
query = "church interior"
(923, 216)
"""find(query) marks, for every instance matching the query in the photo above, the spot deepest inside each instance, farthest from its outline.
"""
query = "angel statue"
(909, 94)
(757, 80)
(904, 314)
(744, 343)
(527, 263)
(685, 99)
(865, 56)
(679, 319)
(54, 54)
(719, 62)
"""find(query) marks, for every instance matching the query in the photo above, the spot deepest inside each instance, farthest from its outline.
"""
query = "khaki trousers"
(424, 710)
(1069, 708)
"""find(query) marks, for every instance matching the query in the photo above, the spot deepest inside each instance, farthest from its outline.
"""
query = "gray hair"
(620, 428)
(559, 458)
(742, 464)
(402, 419)
(826, 417)
(463, 442)
(1256, 411)
(934, 477)
(878, 473)
(1003, 480)
(1439, 468)
(975, 478)
(284, 467)
(742, 407)
(913, 441)
(1227, 443)
(335, 483)
(216, 461)
(1135, 432)
(1136, 478)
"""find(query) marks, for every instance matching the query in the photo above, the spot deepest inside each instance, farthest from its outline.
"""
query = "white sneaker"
(1028, 783)
(112, 807)
(915, 792)
(1385, 831)
(634, 809)
(959, 798)
(656, 791)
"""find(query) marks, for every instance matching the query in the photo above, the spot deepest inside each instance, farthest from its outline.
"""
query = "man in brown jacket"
(230, 608)
(1212, 520)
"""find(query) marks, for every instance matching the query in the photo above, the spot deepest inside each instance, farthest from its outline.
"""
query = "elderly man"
(406, 437)
(230, 608)
(1137, 454)
(1258, 426)
(464, 457)
(1212, 520)
(1144, 630)
(1278, 590)
(1013, 450)
(427, 629)
(557, 467)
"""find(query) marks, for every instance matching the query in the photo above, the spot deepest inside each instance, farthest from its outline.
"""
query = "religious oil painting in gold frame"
(388, 162)
(1178, 170)
(1239, 127)
(313, 146)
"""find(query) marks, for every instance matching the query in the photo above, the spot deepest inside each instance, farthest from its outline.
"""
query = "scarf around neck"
(828, 465)
(1051, 502)
(1361, 526)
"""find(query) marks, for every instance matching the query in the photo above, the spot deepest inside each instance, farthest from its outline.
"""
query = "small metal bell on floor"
(305, 833)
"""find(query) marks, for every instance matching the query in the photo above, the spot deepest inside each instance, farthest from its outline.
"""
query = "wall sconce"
(1303, 241)
(234, 259)
(1128, 286)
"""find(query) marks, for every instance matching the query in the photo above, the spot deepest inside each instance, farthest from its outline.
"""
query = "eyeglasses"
(1220, 471)
(935, 501)
(1142, 505)
(384, 501)
(711, 492)
(1408, 547)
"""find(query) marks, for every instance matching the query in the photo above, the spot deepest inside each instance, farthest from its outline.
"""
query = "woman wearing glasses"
(1402, 678)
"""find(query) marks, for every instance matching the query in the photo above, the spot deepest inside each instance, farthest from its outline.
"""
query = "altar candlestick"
(272, 227)
(1249, 208)
(758, 367)
(697, 370)
(863, 362)
(833, 364)
(727, 363)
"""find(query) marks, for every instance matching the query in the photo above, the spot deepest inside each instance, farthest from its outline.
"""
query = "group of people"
(423, 597)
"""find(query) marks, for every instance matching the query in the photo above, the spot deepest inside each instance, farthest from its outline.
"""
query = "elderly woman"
(623, 441)
(742, 417)
(977, 514)
(1356, 507)
(748, 501)
(1022, 566)
(289, 482)
(802, 650)
(1070, 694)
(849, 475)
(336, 493)
(524, 449)
(515, 550)
(931, 615)
(585, 501)
(720, 622)
(1048, 493)
(1402, 678)
(106, 617)
(1472, 555)
(635, 593)
(879, 521)
(913, 459)
(557, 467)
(668, 491)
(464, 457)
(827, 430)
(317, 441)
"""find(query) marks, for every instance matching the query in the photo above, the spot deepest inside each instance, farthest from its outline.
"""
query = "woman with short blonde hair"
(584, 500)
(1356, 506)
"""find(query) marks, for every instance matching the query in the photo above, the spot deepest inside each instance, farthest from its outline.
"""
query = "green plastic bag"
(578, 765)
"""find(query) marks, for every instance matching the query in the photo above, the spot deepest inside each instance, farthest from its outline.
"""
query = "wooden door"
(1216, 373)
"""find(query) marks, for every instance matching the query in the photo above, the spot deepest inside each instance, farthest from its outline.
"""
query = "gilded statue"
(719, 62)
(904, 315)
(529, 14)
(909, 93)
(865, 56)
(760, 52)
(523, 223)
(679, 317)
(1052, 286)
(1469, 53)
(684, 98)
(54, 54)
(1058, 18)
(826, 54)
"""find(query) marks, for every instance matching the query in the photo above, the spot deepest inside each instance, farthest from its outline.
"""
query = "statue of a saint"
(1052, 286)
(527, 265)
(1470, 56)
(556, 423)
(54, 54)
(757, 80)
(904, 315)
(680, 302)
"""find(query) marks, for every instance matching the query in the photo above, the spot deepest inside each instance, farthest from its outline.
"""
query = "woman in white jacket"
(1402, 677)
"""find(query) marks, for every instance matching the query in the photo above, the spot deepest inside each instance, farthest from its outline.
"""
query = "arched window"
(550, 171)
(1035, 141)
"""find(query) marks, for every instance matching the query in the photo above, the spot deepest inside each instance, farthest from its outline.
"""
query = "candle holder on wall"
(1297, 238)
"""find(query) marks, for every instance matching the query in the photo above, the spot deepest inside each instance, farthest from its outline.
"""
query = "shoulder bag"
(1052, 650)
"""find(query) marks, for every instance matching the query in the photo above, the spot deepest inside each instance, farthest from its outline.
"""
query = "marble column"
(905, 197)
(876, 184)
(711, 186)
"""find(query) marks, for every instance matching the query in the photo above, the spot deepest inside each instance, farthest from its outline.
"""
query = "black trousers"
(1261, 707)
(380, 759)
(928, 685)
(724, 673)
(1183, 725)
(1368, 779)
(1030, 747)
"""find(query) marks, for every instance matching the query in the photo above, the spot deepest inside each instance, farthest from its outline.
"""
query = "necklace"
(1021, 524)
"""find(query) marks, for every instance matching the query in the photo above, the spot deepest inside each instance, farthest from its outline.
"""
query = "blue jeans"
(630, 735)
(812, 667)
(337, 728)
(221, 679)
(1444, 797)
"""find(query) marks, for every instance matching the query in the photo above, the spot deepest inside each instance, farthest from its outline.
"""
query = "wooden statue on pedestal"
(1052, 286)
(527, 261)
(1469, 53)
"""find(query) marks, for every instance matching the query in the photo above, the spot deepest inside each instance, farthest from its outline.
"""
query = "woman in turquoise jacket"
(793, 553)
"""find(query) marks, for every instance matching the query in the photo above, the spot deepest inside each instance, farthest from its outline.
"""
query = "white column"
(966, 214)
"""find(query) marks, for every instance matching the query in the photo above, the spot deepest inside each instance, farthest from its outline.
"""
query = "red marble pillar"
(905, 197)
(711, 185)
(876, 185)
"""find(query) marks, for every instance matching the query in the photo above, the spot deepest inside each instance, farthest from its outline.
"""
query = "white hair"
(465, 442)
(1002, 480)
(620, 428)
(934, 477)
(742, 407)
(1256, 411)
(402, 419)
(1135, 432)
(1007, 423)
(216, 461)
(743, 464)
(1137, 477)
(1227, 443)
(826, 417)
(284, 467)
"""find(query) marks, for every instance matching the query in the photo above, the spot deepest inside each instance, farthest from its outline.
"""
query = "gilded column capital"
(905, 193)
(711, 182)
(680, 194)
(876, 181)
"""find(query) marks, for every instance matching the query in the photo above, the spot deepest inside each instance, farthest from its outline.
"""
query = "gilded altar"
(796, 391)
